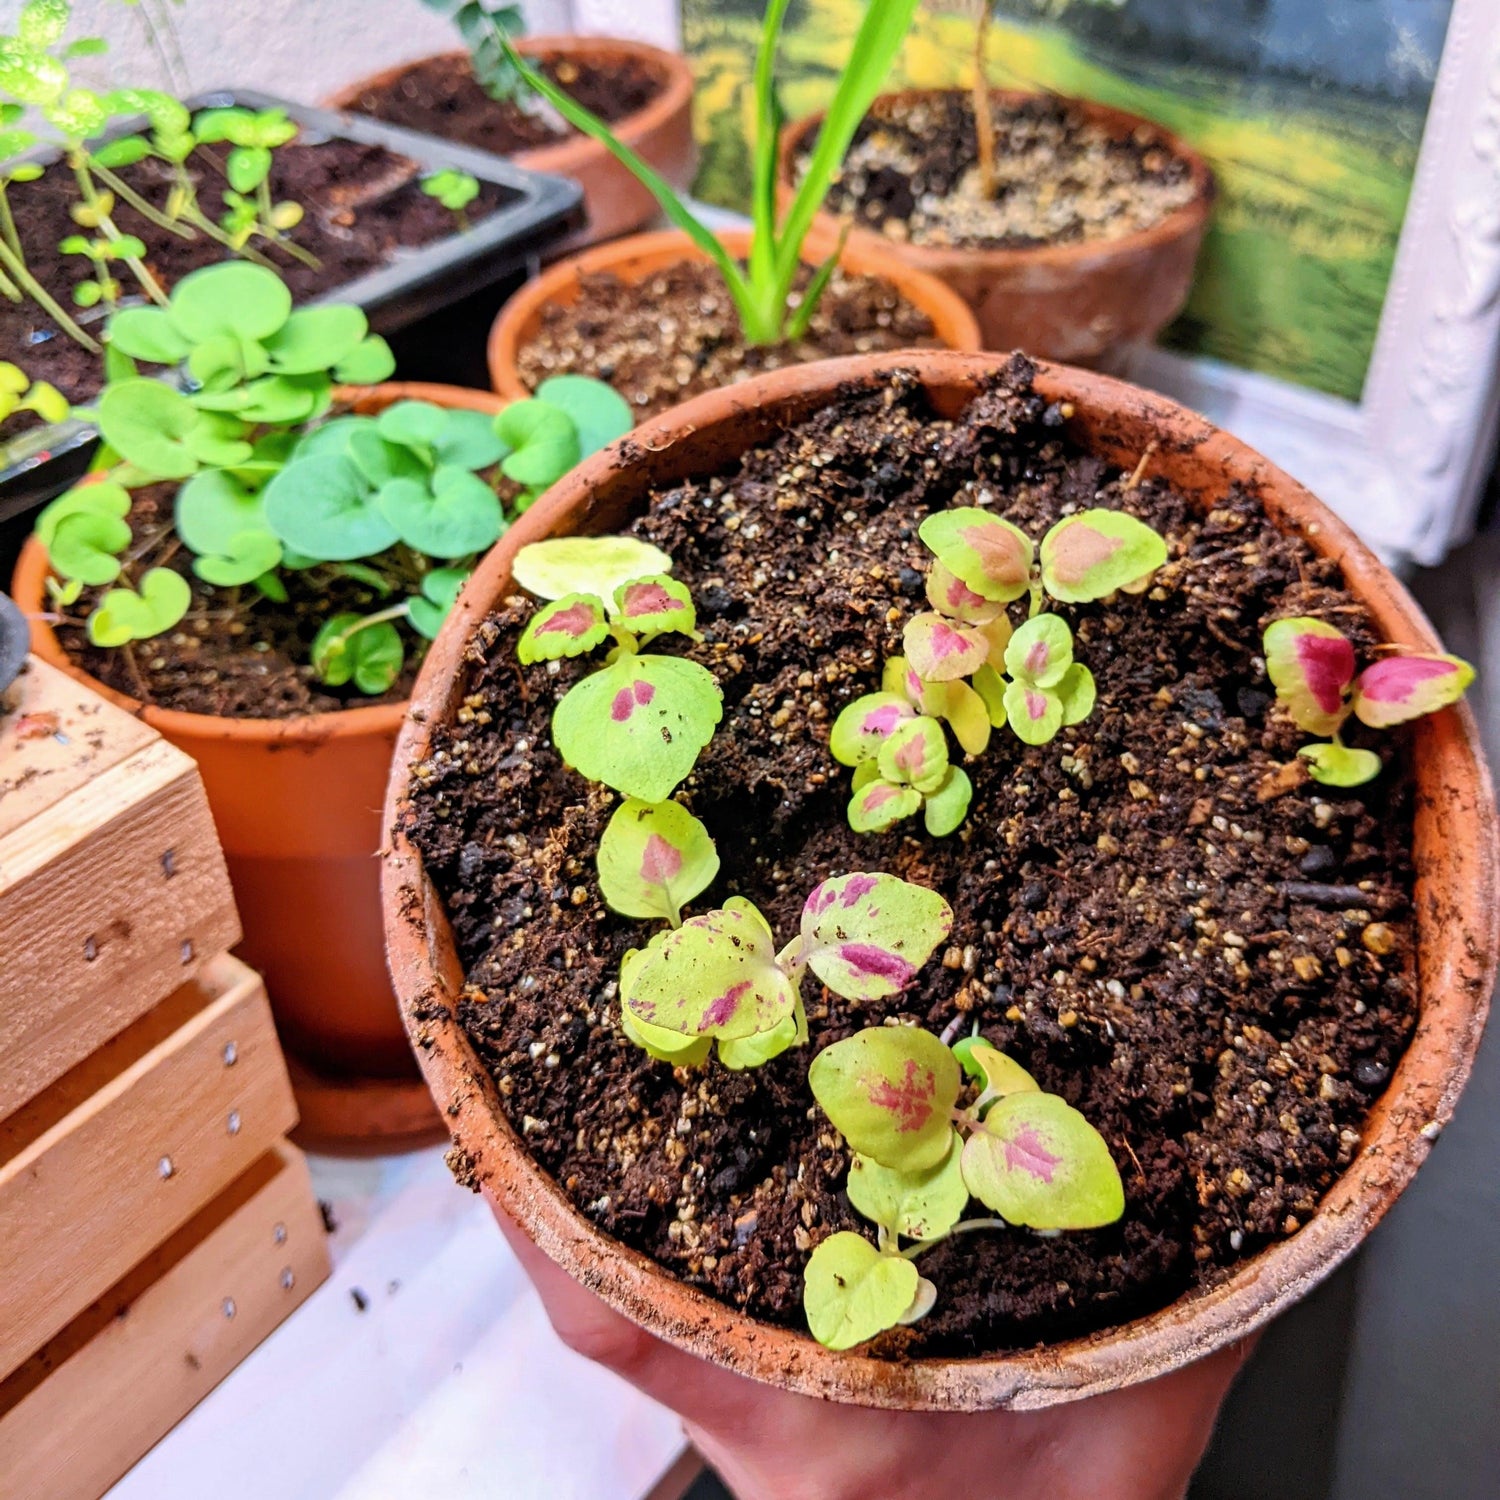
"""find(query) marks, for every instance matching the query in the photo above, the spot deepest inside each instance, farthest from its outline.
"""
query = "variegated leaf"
(1040, 652)
(940, 650)
(949, 595)
(1034, 713)
(1097, 551)
(878, 804)
(865, 936)
(571, 626)
(656, 604)
(654, 857)
(865, 725)
(989, 555)
(1397, 688)
(916, 754)
(1311, 665)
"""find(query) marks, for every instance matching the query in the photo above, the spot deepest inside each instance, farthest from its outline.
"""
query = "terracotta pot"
(297, 806)
(1082, 302)
(1456, 901)
(641, 255)
(662, 132)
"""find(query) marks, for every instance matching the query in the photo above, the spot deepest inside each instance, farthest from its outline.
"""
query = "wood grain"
(79, 1413)
(130, 1144)
(110, 897)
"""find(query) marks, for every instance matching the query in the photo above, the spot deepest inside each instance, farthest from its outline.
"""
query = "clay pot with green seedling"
(671, 314)
(479, 98)
(258, 568)
(861, 892)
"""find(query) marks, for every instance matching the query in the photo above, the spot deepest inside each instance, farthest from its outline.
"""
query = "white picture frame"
(1406, 465)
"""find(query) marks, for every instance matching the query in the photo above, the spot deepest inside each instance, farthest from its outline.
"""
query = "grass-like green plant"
(762, 290)
(917, 1160)
(966, 665)
(484, 26)
(1312, 666)
(270, 483)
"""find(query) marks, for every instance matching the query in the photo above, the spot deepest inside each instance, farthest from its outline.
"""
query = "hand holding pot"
(1141, 1443)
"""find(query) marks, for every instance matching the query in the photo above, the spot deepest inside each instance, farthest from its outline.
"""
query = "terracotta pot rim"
(563, 157)
(514, 323)
(1457, 978)
(380, 718)
(1187, 220)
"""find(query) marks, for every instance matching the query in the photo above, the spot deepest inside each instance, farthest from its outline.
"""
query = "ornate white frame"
(1406, 465)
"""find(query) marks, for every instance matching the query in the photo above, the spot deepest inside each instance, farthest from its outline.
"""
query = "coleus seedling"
(1312, 666)
(719, 978)
(1028, 1156)
(638, 724)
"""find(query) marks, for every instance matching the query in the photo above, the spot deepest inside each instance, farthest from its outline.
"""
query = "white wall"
(302, 49)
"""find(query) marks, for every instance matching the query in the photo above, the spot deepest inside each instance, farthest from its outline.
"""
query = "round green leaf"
(915, 1205)
(1341, 765)
(1077, 693)
(42, 22)
(740, 1053)
(716, 975)
(992, 557)
(654, 857)
(457, 515)
(316, 338)
(945, 809)
(85, 546)
(147, 424)
(235, 297)
(440, 590)
(370, 656)
(124, 152)
(665, 1046)
(543, 443)
(1040, 652)
(1034, 713)
(565, 627)
(598, 412)
(126, 615)
(915, 754)
(878, 804)
(368, 363)
(851, 1291)
(1092, 554)
(890, 1091)
(865, 936)
(246, 167)
(147, 333)
(990, 687)
(585, 565)
(322, 508)
(1036, 1161)
(638, 724)
(224, 523)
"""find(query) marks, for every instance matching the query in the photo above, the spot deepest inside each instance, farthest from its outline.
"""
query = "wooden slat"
(58, 736)
(130, 1144)
(109, 899)
(75, 1417)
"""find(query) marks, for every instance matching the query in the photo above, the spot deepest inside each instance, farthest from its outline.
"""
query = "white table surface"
(450, 1385)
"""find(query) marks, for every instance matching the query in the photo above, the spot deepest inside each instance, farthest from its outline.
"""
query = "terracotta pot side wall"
(1457, 905)
(637, 257)
(1077, 301)
(297, 806)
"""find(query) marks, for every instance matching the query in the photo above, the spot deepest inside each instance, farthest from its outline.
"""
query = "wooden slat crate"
(128, 1145)
(76, 1415)
(113, 889)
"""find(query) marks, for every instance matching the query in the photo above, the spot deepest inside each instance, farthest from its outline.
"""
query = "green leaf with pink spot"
(1040, 652)
(655, 604)
(1036, 1161)
(878, 804)
(715, 976)
(865, 724)
(571, 626)
(639, 724)
(890, 1091)
(1034, 713)
(990, 556)
(752, 1051)
(1398, 688)
(1311, 665)
(865, 936)
(949, 595)
(665, 1046)
(1087, 556)
(654, 857)
(851, 1291)
(915, 754)
(940, 650)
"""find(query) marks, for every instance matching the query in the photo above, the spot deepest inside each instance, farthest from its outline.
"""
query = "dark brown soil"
(363, 204)
(1219, 979)
(676, 334)
(911, 174)
(441, 96)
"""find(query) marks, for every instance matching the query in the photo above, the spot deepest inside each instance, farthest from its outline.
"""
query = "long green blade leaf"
(815, 289)
(880, 36)
(673, 206)
(767, 149)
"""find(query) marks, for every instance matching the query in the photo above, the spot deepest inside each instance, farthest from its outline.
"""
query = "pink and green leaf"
(947, 807)
(878, 804)
(916, 754)
(639, 724)
(1036, 1161)
(1311, 665)
(890, 1091)
(1087, 556)
(949, 595)
(865, 725)
(654, 857)
(1040, 652)
(571, 626)
(753, 1051)
(1334, 764)
(940, 650)
(665, 1046)
(990, 556)
(866, 936)
(1398, 688)
(1035, 714)
(714, 976)
(655, 604)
